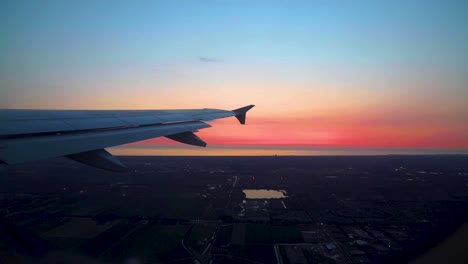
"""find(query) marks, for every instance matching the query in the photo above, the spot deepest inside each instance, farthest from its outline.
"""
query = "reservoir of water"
(264, 194)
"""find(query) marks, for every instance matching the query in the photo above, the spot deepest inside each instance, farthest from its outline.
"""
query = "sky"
(324, 75)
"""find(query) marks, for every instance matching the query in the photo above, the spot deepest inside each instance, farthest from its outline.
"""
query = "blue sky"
(99, 35)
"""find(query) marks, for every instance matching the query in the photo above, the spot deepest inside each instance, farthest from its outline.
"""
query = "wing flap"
(141, 120)
(171, 118)
(96, 123)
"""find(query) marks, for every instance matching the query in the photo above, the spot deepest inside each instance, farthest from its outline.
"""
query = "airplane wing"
(83, 135)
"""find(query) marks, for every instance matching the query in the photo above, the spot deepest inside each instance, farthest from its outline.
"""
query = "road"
(205, 256)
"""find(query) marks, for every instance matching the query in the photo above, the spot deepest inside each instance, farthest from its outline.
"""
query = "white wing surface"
(83, 135)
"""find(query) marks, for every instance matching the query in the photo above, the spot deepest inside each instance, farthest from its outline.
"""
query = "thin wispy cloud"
(209, 60)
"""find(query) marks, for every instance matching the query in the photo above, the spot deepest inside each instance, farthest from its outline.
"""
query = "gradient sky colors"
(339, 74)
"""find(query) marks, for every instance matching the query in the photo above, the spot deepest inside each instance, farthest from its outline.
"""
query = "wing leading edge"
(27, 135)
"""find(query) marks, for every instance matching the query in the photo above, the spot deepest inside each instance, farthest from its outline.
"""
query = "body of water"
(264, 194)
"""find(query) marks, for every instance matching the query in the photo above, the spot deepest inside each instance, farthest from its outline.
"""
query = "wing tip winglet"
(240, 113)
